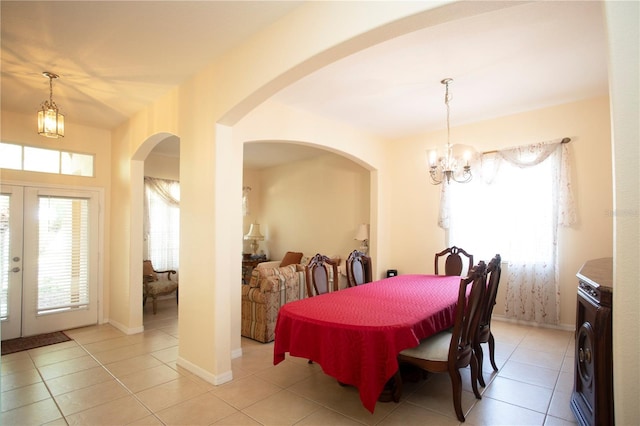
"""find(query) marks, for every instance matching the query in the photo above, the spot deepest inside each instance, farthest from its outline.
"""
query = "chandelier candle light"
(254, 236)
(446, 167)
(50, 120)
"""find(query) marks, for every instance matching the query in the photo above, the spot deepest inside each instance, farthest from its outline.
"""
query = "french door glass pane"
(63, 256)
(4, 255)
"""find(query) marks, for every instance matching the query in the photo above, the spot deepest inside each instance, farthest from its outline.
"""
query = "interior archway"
(137, 211)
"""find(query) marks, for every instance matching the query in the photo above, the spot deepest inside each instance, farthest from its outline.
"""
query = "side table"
(248, 263)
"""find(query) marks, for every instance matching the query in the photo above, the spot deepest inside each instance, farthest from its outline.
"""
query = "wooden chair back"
(468, 313)
(494, 270)
(453, 261)
(321, 275)
(358, 269)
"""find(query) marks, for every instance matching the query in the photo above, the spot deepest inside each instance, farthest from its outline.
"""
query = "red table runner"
(355, 334)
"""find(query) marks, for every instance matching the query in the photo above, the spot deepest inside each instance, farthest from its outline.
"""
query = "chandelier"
(447, 167)
(50, 120)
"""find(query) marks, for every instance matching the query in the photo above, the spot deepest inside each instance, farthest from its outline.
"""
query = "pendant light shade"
(50, 120)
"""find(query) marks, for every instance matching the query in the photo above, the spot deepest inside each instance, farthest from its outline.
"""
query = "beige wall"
(624, 57)
(162, 167)
(313, 206)
(414, 218)
(21, 129)
(358, 150)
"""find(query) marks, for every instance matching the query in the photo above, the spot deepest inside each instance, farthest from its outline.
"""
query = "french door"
(49, 259)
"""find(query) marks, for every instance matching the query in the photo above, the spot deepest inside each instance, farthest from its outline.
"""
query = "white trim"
(236, 353)
(101, 220)
(203, 374)
(565, 327)
(126, 330)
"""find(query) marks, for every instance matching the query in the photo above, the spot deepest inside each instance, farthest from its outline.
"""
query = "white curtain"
(162, 222)
(513, 206)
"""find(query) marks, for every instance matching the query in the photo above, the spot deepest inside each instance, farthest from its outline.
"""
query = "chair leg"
(155, 306)
(474, 376)
(477, 349)
(456, 385)
(397, 390)
(492, 352)
(144, 300)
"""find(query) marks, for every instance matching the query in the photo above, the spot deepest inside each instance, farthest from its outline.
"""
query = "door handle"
(15, 269)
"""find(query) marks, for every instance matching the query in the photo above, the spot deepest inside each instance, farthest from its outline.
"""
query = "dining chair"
(154, 284)
(494, 269)
(453, 261)
(452, 349)
(321, 275)
(358, 269)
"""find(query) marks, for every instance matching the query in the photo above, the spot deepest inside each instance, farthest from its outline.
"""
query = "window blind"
(5, 247)
(63, 254)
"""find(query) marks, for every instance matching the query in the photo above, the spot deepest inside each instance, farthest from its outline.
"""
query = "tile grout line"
(104, 367)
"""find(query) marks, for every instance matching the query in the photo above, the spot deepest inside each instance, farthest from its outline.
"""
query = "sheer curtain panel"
(162, 222)
(526, 194)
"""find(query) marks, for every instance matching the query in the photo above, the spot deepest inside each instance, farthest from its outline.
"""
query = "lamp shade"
(50, 123)
(254, 233)
(363, 232)
(50, 120)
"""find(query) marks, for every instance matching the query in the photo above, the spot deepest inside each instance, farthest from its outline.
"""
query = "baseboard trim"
(564, 327)
(125, 329)
(203, 374)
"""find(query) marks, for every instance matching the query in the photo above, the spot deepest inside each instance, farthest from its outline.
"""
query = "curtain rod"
(564, 140)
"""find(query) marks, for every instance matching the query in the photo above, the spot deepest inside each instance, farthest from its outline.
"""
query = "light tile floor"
(104, 377)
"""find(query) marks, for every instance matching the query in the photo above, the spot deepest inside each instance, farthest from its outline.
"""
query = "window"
(162, 225)
(63, 261)
(10, 156)
(18, 157)
(512, 215)
(513, 206)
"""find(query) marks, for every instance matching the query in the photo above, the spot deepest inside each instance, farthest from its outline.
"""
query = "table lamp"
(362, 235)
(254, 236)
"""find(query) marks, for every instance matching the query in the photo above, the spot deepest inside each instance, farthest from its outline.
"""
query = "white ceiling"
(115, 57)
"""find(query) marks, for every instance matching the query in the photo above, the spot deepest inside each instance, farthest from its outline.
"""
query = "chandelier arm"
(434, 179)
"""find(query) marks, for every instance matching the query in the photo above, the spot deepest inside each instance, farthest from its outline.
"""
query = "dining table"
(356, 334)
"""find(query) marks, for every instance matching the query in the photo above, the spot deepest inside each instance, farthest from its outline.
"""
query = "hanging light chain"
(446, 168)
(447, 99)
(50, 104)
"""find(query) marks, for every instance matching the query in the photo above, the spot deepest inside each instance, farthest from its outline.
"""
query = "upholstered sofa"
(270, 287)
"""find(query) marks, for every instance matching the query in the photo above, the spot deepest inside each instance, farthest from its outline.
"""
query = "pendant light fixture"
(447, 167)
(50, 120)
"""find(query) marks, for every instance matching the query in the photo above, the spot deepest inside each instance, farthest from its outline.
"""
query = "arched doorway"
(168, 144)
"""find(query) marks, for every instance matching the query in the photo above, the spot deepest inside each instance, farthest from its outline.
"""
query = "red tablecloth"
(355, 334)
